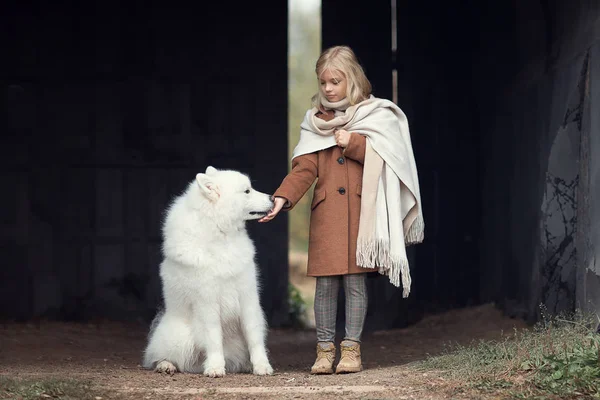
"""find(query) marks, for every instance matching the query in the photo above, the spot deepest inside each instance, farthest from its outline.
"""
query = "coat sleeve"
(356, 147)
(299, 180)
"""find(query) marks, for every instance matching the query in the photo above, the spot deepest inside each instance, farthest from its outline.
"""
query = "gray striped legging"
(326, 296)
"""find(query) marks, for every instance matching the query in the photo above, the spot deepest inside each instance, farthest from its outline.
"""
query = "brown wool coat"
(335, 208)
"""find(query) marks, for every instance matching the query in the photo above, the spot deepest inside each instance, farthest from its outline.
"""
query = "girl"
(366, 205)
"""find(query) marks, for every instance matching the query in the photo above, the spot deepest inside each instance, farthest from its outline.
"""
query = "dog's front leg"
(254, 327)
(210, 334)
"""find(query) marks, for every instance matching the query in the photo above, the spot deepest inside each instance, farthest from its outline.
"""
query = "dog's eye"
(247, 191)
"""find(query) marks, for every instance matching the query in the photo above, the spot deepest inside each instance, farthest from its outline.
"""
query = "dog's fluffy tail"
(160, 312)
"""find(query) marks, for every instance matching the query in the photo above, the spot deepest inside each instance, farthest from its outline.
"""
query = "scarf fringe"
(375, 254)
(416, 233)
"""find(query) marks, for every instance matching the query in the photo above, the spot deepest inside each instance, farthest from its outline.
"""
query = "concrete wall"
(538, 214)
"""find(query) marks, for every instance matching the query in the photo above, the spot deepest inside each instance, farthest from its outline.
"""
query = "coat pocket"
(359, 189)
(318, 197)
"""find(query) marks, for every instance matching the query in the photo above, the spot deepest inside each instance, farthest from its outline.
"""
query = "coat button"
(340, 160)
(342, 190)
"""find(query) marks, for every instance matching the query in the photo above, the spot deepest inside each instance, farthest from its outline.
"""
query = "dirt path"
(108, 355)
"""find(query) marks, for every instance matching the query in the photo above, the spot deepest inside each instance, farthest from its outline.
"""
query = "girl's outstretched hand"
(279, 203)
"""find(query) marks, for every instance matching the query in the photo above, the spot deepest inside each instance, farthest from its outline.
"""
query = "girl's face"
(333, 85)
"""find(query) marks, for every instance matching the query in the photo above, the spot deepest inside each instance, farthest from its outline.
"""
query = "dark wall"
(539, 189)
(498, 99)
(108, 111)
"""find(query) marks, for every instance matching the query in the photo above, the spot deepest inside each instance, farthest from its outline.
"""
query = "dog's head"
(232, 196)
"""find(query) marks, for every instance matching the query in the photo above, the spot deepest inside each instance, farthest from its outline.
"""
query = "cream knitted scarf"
(390, 214)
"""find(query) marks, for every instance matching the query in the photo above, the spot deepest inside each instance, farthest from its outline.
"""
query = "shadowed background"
(109, 109)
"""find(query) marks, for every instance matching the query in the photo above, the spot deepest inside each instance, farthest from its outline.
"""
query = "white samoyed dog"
(212, 321)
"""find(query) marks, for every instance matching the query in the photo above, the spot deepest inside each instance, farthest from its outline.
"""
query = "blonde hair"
(343, 59)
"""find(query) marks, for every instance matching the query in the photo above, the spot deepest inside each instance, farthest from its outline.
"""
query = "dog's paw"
(214, 371)
(165, 367)
(262, 369)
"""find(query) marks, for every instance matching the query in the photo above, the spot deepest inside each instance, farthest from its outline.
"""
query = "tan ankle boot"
(350, 360)
(325, 358)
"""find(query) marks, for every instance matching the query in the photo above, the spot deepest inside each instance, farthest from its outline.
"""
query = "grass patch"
(559, 356)
(29, 389)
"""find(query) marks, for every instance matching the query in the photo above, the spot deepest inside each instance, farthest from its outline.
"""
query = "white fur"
(212, 321)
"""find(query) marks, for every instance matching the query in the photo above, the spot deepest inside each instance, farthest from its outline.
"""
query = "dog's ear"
(208, 187)
(210, 170)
